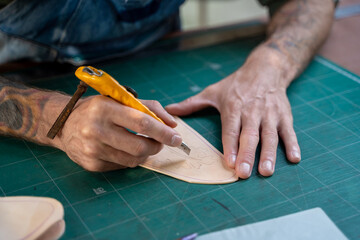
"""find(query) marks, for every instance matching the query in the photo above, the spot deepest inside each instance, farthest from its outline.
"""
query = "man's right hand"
(95, 136)
(96, 133)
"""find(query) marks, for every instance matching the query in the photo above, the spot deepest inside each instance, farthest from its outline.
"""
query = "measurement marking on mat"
(99, 190)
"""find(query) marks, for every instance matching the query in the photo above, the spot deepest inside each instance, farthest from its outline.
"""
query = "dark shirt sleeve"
(274, 5)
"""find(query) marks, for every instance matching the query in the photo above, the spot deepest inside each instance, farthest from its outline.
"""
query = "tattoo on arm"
(298, 28)
(20, 109)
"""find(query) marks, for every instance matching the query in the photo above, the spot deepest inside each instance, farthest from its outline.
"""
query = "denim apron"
(82, 31)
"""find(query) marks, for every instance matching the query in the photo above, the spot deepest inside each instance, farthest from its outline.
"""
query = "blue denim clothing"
(80, 31)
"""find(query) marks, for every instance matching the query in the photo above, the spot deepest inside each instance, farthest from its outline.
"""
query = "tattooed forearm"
(20, 109)
(11, 114)
(298, 28)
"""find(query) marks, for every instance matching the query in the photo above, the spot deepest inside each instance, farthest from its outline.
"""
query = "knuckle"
(141, 149)
(95, 106)
(286, 121)
(86, 131)
(210, 90)
(287, 118)
(132, 163)
(92, 167)
(251, 132)
(234, 107)
(165, 136)
(251, 114)
(155, 103)
(269, 133)
(232, 132)
(287, 132)
(246, 114)
(144, 125)
(90, 151)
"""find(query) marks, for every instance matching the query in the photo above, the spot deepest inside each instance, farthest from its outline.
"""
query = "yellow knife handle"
(108, 86)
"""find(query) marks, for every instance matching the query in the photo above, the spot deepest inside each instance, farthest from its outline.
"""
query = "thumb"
(190, 105)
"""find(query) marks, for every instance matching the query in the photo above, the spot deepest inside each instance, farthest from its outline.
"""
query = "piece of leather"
(31, 218)
(204, 165)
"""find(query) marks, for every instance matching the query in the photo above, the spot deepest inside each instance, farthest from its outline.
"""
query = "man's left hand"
(253, 104)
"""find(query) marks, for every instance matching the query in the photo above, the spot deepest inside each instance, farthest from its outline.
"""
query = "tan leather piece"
(204, 165)
(31, 218)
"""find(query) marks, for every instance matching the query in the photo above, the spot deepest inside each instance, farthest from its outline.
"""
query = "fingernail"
(267, 165)
(244, 169)
(173, 119)
(232, 160)
(295, 154)
(176, 140)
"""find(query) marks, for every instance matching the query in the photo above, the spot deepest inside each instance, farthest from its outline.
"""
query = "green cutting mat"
(140, 204)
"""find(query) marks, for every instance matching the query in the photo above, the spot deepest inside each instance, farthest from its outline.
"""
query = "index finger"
(158, 109)
(143, 123)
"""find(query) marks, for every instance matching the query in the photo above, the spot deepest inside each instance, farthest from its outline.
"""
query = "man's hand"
(253, 104)
(96, 137)
(96, 133)
(252, 101)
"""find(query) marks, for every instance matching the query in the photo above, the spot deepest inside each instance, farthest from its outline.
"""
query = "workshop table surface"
(141, 204)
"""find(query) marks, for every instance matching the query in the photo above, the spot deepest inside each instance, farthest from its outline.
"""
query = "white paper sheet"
(309, 224)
